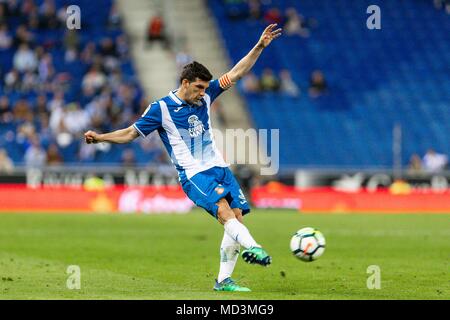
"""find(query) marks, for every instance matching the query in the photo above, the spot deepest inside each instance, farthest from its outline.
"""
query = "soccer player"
(183, 123)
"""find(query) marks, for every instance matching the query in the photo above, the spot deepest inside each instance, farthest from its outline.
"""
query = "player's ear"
(185, 83)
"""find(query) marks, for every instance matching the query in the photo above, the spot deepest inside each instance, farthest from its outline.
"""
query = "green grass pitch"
(176, 256)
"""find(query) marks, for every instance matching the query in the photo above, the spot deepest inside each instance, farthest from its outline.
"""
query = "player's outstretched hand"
(91, 137)
(269, 34)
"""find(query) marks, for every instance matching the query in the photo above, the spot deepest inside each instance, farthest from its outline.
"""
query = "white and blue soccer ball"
(308, 244)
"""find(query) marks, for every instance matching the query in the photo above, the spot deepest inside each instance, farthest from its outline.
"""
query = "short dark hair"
(195, 70)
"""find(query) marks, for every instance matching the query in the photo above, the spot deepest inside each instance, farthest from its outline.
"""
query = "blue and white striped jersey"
(185, 130)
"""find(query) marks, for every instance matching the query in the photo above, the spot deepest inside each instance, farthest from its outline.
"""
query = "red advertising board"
(151, 199)
(171, 199)
(329, 200)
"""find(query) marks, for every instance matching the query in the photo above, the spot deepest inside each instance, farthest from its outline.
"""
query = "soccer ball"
(308, 244)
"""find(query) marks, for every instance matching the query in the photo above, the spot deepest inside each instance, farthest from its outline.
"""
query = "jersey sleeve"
(216, 87)
(150, 120)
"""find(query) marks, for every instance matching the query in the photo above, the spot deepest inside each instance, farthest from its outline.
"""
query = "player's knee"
(224, 214)
(238, 215)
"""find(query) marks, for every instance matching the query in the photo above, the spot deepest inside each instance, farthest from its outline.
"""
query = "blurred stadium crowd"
(56, 83)
(338, 88)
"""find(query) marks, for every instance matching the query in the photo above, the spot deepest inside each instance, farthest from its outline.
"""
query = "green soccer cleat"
(256, 255)
(229, 285)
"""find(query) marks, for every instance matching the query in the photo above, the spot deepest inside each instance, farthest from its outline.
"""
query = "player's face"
(195, 91)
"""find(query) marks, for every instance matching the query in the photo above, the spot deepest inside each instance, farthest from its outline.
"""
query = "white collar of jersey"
(178, 101)
(175, 98)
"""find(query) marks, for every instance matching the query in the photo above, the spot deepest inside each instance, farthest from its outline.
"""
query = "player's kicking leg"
(236, 234)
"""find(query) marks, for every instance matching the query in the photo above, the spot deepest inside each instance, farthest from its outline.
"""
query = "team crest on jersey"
(219, 190)
(196, 127)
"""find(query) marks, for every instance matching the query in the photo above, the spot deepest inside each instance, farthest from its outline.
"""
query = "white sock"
(229, 253)
(240, 233)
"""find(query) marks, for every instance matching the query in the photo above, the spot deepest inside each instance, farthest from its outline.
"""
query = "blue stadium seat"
(377, 78)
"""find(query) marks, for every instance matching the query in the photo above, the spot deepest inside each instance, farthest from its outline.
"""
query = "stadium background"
(360, 111)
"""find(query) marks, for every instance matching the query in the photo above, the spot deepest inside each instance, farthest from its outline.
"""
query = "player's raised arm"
(246, 63)
(119, 136)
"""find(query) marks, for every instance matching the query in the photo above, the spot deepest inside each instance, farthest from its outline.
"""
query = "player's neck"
(181, 93)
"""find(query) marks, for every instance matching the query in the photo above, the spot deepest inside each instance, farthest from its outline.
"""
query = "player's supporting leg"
(229, 252)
